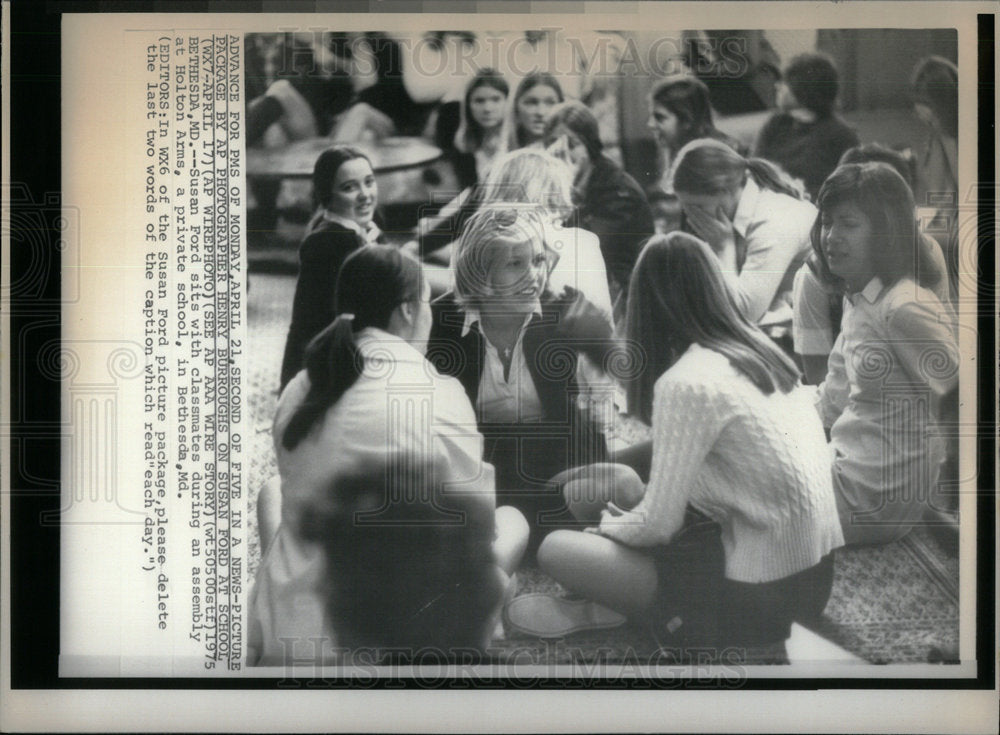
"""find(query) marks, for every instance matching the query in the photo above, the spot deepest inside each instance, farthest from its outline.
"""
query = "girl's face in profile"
(486, 107)
(519, 279)
(846, 237)
(534, 107)
(664, 124)
(355, 192)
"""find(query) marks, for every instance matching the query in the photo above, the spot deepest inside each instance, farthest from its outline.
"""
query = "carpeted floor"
(892, 604)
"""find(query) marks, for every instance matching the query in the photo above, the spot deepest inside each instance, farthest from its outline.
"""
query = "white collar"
(369, 234)
(398, 348)
(870, 292)
(746, 207)
(472, 317)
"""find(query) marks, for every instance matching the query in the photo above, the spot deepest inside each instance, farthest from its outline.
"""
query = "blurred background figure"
(806, 137)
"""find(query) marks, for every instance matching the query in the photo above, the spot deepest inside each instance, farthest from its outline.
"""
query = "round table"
(296, 161)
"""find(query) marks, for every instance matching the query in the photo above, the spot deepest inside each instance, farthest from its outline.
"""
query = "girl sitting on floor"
(730, 539)
(608, 201)
(366, 393)
(755, 219)
(818, 295)
(513, 344)
(894, 359)
(347, 195)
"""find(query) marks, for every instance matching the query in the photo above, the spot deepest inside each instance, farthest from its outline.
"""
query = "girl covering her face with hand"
(754, 218)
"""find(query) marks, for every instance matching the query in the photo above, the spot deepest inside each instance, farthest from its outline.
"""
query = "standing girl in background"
(345, 190)
(894, 359)
(481, 137)
(730, 539)
(755, 219)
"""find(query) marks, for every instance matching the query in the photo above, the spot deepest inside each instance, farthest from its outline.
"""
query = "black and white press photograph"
(603, 348)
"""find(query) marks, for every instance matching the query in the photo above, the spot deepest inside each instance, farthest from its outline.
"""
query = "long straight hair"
(707, 166)
(470, 134)
(372, 282)
(679, 297)
(537, 79)
(885, 198)
(687, 98)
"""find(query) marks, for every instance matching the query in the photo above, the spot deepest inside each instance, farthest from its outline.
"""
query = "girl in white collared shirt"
(753, 216)
(894, 359)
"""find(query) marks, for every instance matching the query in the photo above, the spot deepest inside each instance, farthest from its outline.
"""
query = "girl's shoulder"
(698, 368)
(908, 301)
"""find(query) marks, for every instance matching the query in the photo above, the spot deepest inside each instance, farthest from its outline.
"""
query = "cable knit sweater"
(758, 465)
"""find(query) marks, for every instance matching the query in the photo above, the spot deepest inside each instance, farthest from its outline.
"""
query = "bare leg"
(600, 569)
(512, 538)
(268, 511)
(362, 118)
(298, 120)
(589, 489)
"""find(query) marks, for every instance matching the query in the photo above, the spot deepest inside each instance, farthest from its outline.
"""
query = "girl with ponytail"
(754, 217)
(367, 394)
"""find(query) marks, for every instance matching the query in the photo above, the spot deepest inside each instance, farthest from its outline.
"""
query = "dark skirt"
(526, 457)
(697, 605)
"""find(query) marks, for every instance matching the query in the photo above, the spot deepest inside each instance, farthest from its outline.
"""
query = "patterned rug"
(892, 604)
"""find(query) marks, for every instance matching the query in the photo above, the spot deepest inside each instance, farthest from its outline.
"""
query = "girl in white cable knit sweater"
(731, 538)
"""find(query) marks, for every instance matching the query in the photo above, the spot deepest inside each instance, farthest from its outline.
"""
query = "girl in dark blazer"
(346, 192)
(516, 349)
(608, 201)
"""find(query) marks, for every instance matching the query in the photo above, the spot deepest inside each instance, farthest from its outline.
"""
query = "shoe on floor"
(547, 616)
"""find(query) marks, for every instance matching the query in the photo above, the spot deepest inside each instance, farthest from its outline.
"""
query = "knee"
(553, 551)
(511, 524)
(629, 487)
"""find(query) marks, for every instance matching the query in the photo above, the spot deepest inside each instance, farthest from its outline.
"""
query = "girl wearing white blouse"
(893, 361)
(754, 217)
(365, 397)
(737, 442)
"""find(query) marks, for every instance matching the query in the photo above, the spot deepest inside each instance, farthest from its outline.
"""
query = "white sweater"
(759, 465)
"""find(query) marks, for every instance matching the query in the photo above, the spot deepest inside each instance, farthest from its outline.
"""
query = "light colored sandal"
(544, 615)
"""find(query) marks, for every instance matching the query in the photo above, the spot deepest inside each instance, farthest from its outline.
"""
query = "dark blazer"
(614, 207)
(321, 254)
(568, 323)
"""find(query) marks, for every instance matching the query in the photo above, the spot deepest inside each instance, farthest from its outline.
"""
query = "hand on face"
(712, 226)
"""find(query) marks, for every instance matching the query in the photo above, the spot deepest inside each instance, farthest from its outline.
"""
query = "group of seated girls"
(426, 449)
